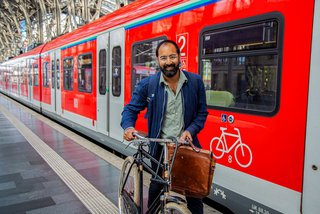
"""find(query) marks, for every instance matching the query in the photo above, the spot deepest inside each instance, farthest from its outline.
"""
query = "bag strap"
(197, 150)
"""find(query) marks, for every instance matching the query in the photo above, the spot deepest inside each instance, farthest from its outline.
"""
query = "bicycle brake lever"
(129, 144)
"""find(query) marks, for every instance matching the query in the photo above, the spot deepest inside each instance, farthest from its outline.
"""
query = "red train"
(259, 60)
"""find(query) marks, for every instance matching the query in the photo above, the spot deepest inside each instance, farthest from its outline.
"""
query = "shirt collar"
(182, 78)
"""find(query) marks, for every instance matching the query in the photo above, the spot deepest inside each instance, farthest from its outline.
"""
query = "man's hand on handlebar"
(128, 134)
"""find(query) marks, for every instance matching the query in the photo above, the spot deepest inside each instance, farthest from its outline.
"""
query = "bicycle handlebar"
(142, 139)
(157, 140)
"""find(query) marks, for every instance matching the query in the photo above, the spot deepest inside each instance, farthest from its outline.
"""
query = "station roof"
(28, 23)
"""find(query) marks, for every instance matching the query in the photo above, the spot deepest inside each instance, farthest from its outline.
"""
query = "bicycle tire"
(175, 208)
(129, 194)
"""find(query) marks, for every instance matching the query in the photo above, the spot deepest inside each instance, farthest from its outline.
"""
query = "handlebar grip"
(136, 134)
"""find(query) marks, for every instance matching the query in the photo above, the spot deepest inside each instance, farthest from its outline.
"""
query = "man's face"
(168, 60)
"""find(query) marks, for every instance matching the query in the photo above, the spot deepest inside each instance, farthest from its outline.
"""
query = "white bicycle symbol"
(242, 152)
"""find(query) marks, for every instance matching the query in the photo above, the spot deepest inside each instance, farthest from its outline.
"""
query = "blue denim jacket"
(193, 99)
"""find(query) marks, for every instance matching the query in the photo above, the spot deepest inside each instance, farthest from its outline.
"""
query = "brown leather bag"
(192, 171)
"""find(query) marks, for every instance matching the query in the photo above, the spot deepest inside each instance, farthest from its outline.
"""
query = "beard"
(169, 73)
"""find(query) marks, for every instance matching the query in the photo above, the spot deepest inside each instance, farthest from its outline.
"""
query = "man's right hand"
(128, 134)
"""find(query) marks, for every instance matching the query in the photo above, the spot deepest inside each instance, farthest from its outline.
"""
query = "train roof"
(131, 12)
(34, 52)
(135, 10)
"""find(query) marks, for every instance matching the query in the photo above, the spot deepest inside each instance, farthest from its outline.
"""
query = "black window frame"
(45, 74)
(71, 75)
(116, 76)
(29, 67)
(133, 76)
(264, 52)
(83, 89)
(103, 72)
(58, 72)
(53, 72)
(35, 74)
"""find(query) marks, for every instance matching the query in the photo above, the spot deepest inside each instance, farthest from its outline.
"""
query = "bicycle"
(219, 146)
(131, 180)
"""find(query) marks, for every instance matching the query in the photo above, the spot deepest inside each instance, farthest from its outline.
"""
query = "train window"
(116, 71)
(30, 74)
(53, 66)
(239, 66)
(35, 75)
(255, 36)
(85, 73)
(144, 61)
(14, 73)
(24, 75)
(102, 71)
(68, 74)
(45, 74)
(58, 73)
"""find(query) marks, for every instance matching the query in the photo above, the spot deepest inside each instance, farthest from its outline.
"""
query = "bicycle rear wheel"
(175, 208)
(129, 189)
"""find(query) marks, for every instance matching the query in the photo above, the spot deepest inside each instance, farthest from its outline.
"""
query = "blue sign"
(223, 118)
(231, 119)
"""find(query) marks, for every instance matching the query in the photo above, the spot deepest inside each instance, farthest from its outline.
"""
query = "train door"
(311, 185)
(103, 84)
(116, 85)
(57, 82)
(30, 88)
(53, 80)
(18, 78)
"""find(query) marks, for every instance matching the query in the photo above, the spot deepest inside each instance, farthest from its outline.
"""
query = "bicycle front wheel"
(129, 187)
(174, 208)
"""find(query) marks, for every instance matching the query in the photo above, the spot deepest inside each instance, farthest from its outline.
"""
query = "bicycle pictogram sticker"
(242, 152)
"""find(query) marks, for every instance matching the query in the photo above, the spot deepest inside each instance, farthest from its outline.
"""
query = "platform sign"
(183, 41)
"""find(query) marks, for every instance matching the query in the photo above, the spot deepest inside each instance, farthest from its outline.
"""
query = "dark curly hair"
(167, 42)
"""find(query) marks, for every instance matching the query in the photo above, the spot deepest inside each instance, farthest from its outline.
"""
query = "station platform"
(47, 168)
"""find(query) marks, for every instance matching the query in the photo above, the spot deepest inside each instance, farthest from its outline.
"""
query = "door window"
(102, 71)
(85, 73)
(68, 74)
(116, 71)
(45, 74)
(35, 75)
(53, 65)
(58, 73)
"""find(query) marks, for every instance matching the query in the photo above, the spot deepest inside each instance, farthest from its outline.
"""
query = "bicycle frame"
(164, 196)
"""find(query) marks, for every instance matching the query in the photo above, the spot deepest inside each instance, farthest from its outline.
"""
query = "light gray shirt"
(173, 124)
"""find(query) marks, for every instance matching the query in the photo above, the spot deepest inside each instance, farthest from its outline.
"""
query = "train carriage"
(257, 59)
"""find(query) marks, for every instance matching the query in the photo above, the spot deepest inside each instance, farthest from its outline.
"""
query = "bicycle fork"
(140, 169)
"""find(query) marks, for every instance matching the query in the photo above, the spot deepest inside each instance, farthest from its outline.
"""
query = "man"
(176, 107)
